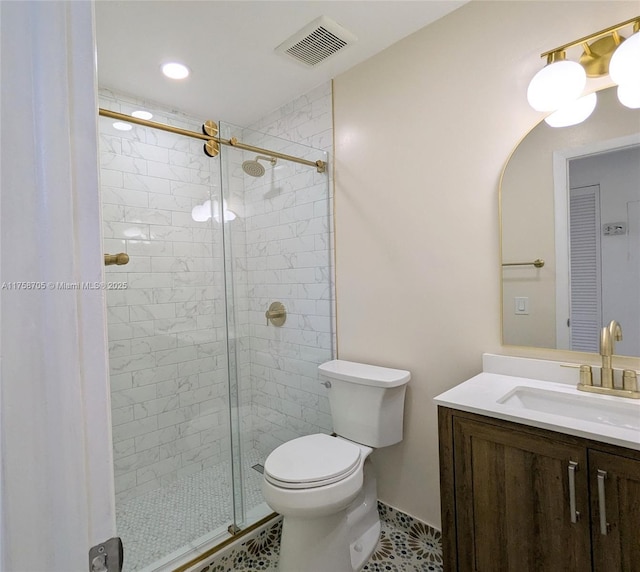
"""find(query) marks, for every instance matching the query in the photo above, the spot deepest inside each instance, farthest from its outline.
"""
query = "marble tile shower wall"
(289, 248)
(167, 329)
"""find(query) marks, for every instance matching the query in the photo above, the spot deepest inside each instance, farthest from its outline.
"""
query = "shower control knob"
(327, 384)
(276, 314)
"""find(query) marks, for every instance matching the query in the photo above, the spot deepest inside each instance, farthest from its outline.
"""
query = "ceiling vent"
(316, 42)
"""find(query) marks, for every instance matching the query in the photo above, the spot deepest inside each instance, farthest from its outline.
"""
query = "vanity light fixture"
(558, 87)
(557, 84)
(629, 95)
(175, 70)
(573, 113)
(624, 67)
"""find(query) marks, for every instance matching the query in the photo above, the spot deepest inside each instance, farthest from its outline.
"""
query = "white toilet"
(324, 486)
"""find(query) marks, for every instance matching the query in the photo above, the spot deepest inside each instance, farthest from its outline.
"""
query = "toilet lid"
(311, 461)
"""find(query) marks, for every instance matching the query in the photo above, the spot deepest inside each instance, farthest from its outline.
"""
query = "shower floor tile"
(169, 519)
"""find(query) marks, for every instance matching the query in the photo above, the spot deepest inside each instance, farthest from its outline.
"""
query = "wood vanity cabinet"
(615, 533)
(521, 499)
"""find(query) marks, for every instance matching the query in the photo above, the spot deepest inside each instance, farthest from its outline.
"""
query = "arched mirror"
(570, 199)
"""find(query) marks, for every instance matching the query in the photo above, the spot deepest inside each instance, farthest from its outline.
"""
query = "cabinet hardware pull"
(575, 515)
(602, 503)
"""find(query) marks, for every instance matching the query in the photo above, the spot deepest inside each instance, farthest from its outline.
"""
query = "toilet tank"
(367, 401)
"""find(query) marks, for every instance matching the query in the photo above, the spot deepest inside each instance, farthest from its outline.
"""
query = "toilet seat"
(312, 461)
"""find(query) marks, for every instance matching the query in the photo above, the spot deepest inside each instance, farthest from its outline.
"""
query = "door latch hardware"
(107, 557)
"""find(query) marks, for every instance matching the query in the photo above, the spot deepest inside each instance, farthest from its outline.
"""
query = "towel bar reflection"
(538, 263)
(119, 259)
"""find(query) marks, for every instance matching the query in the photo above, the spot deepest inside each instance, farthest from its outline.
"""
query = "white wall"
(422, 132)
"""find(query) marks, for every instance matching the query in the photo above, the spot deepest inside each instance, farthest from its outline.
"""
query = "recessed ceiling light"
(142, 114)
(120, 126)
(174, 70)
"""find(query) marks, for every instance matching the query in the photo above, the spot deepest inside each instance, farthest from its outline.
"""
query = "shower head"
(254, 168)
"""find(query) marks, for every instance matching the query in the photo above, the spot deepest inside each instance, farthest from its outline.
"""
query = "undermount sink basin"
(595, 409)
(543, 394)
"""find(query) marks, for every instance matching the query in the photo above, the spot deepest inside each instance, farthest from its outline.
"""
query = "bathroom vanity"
(536, 475)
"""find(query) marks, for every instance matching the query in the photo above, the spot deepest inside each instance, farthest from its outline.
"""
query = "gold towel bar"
(119, 259)
(538, 263)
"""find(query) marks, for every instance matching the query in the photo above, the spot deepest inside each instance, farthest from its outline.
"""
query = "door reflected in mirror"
(571, 196)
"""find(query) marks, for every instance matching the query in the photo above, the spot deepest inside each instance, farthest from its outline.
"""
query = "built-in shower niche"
(202, 389)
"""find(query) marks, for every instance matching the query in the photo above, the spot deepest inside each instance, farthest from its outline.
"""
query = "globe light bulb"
(624, 67)
(558, 83)
(573, 113)
(629, 95)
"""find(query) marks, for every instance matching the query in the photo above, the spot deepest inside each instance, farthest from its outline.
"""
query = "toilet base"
(363, 521)
(341, 542)
(315, 545)
(363, 547)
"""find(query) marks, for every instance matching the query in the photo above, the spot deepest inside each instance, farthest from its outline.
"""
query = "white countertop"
(557, 406)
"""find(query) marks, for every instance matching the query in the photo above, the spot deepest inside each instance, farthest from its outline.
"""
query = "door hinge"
(107, 557)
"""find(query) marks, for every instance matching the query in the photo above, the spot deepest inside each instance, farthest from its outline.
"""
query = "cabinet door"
(615, 508)
(516, 498)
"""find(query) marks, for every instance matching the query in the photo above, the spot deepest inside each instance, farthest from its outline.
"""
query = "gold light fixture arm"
(212, 141)
(610, 30)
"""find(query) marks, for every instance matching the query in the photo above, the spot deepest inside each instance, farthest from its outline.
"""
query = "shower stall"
(208, 376)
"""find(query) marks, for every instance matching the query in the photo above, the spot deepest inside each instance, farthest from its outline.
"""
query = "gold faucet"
(609, 334)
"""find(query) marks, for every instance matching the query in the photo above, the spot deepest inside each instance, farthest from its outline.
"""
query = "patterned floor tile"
(405, 545)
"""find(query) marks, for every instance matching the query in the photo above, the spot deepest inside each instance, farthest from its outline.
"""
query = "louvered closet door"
(586, 284)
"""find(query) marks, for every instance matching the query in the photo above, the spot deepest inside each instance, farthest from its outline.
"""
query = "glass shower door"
(167, 339)
(277, 244)
(203, 387)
